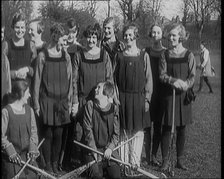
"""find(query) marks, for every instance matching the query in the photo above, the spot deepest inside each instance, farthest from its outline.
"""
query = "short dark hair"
(184, 35)
(40, 25)
(93, 30)
(18, 17)
(71, 23)
(18, 89)
(58, 29)
(203, 42)
(108, 89)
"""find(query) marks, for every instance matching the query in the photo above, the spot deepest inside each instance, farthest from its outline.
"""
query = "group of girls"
(62, 78)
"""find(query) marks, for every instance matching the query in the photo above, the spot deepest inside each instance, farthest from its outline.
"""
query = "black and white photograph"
(110, 89)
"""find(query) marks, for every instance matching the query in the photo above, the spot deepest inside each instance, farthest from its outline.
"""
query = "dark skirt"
(183, 112)
(9, 170)
(133, 115)
(54, 112)
(155, 108)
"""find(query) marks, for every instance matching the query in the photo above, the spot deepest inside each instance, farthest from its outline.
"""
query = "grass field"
(203, 143)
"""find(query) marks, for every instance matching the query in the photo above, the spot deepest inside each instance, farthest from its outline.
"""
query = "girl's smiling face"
(174, 37)
(129, 37)
(20, 29)
(156, 33)
(109, 30)
(92, 41)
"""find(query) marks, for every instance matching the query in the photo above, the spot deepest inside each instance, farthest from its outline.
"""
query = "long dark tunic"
(54, 91)
(135, 88)
(18, 133)
(87, 73)
(101, 128)
(177, 68)
(155, 104)
(21, 56)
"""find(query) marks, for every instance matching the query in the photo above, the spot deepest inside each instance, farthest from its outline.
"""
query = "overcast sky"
(169, 9)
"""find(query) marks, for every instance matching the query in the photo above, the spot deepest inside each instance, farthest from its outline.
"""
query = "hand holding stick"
(80, 170)
(27, 162)
(118, 161)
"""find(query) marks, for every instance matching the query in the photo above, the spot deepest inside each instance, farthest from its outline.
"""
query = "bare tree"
(156, 7)
(91, 7)
(186, 9)
(127, 9)
(108, 6)
(202, 9)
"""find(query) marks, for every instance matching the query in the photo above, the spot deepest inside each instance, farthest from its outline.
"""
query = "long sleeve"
(6, 72)
(33, 57)
(164, 77)
(148, 74)
(6, 145)
(116, 133)
(88, 126)
(108, 65)
(37, 79)
(205, 57)
(5, 48)
(34, 136)
(192, 70)
(8, 75)
(75, 78)
(69, 71)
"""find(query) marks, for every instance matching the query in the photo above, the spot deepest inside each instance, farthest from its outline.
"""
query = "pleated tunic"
(21, 56)
(53, 88)
(155, 104)
(134, 81)
(20, 139)
(177, 68)
(87, 73)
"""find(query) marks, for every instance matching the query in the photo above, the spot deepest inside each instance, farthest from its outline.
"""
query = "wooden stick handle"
(39, 170)
(116, 160)
(28, 161)
(84, 167)
(124, 143)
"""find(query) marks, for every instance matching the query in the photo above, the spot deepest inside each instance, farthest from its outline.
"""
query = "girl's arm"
(192, 70)
(148, 74)
(33, 137)
(6, 145)
(37, 80)
(108, 66)
(69, 71)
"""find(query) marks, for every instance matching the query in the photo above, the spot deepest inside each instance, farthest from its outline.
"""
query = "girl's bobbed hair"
(57, 28)
(72, 24)
(19, 16)
(93, 30)
(184, 35)
(131, 26)
(40, 25)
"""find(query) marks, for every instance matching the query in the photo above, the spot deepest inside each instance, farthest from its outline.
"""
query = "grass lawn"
(203, 143)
